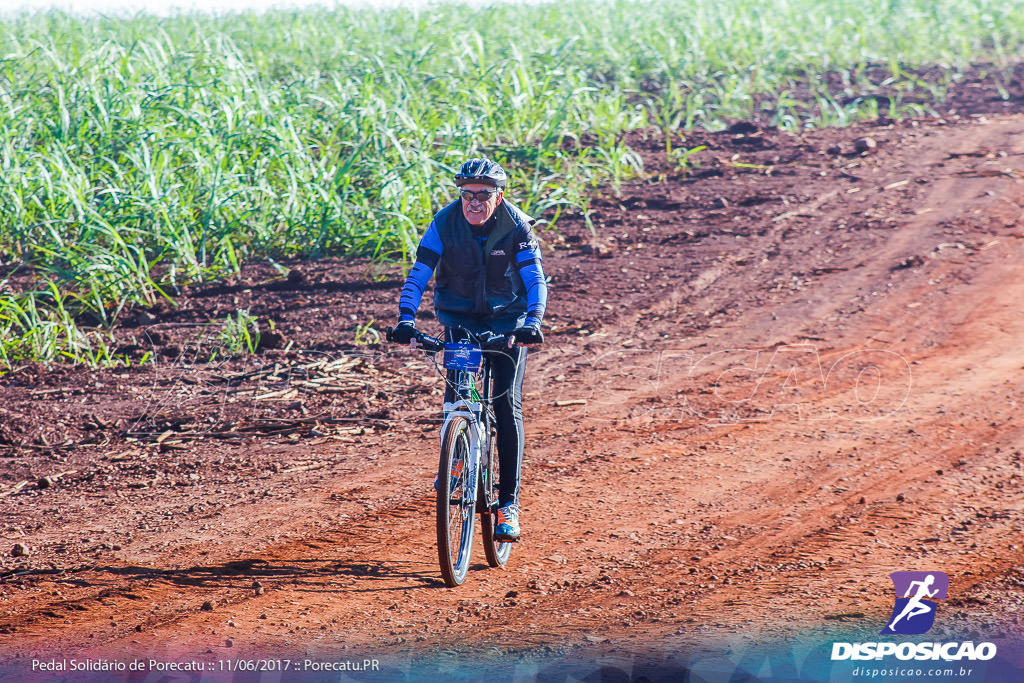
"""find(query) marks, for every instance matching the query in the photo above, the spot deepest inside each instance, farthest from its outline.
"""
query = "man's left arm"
(528, 262)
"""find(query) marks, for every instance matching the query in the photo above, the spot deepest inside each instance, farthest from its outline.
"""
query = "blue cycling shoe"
(507, 529)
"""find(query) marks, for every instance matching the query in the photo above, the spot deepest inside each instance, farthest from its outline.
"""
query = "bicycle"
(468, 436)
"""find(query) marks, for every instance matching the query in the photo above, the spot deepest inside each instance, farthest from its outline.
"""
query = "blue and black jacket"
(490, 275)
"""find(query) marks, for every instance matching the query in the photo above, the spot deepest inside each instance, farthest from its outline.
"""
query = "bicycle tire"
(497, 552)
(455, 519)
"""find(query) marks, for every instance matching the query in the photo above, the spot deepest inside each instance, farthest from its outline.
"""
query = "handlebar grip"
(429, 343)
(425, 341)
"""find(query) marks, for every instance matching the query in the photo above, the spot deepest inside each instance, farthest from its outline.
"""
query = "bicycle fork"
(471, 412)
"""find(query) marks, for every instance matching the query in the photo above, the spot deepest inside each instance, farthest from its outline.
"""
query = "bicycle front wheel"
(454, 513)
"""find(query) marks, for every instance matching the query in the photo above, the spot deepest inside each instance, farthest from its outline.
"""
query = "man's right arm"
(428, 255)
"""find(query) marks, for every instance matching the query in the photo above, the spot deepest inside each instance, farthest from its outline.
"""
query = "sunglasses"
(481, 196)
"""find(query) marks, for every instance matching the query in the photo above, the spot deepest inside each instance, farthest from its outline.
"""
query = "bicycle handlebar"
(491, 340)
(488, 340)
(432, 344)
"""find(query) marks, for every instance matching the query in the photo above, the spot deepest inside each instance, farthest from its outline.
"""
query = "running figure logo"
(917, 595)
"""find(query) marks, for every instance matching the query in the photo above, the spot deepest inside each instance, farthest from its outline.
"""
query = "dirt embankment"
(770, 381)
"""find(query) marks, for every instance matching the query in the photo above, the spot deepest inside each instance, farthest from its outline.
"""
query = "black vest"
(482, 284)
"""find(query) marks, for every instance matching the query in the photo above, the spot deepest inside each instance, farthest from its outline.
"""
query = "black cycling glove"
(403, 333)
(528, 335)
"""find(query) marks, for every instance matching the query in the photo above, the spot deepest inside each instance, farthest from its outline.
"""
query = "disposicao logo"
(917, 596)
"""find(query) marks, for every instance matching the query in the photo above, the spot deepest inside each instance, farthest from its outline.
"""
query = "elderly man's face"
(478, 211)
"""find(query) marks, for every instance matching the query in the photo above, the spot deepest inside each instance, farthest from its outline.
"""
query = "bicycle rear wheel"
(497, 552)
(454, 514)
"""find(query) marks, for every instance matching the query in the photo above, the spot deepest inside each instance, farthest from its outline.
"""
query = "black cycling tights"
(508, 369)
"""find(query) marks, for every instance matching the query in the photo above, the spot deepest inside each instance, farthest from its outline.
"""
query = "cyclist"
(489, 278)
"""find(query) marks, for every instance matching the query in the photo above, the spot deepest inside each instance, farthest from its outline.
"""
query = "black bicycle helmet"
(483, 171)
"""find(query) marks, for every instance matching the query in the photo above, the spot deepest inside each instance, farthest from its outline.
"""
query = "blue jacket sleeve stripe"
(528, 255)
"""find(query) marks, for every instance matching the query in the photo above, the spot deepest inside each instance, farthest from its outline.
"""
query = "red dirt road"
(769, 384)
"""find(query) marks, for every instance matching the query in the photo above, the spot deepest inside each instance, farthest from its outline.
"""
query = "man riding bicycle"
(489, 278)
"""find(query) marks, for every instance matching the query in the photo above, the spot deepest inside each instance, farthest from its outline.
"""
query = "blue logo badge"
(917, 596)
